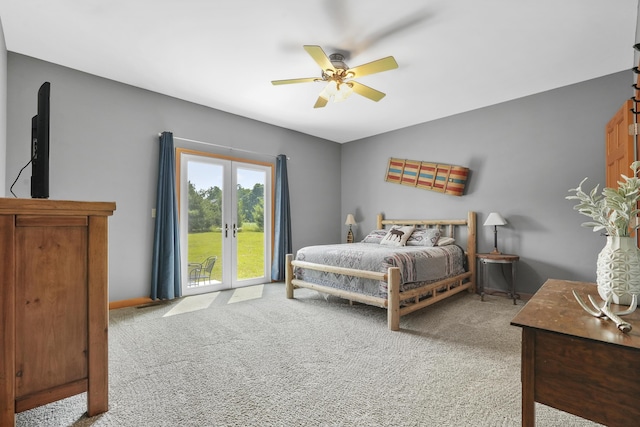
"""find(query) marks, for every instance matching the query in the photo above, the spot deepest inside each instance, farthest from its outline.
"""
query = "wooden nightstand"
(498, 259)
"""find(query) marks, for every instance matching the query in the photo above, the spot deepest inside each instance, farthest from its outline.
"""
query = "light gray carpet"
(311, 361)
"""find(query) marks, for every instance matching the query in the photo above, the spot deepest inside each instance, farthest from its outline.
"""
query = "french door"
(225, 221)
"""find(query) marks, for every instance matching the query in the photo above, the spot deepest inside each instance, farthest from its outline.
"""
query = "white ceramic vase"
(618, 269)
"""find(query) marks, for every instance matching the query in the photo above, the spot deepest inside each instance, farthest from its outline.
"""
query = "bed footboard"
(397, 303)
(392, 277)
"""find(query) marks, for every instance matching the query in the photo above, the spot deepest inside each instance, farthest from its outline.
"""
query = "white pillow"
(444, 241)
(397, 236)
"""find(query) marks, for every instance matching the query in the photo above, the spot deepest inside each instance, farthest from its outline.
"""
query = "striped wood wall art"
(448, 179)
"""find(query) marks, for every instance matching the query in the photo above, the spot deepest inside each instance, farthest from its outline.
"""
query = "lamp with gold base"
(350, 222)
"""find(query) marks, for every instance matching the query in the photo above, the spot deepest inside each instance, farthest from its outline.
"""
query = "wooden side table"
(493, 258)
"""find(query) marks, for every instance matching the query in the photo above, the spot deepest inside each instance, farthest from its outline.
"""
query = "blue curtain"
(165, 275)
(282, 245)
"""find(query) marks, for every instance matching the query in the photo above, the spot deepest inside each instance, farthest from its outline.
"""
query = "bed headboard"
(448, 228)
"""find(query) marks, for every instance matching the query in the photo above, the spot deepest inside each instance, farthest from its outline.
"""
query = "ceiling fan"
(340, 78)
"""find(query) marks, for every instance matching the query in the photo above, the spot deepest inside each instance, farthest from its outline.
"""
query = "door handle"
(234, 230)
(226, 230)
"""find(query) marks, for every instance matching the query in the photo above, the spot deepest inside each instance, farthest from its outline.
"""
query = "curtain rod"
(223, 146)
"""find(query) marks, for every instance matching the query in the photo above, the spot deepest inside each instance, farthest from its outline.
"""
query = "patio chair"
(201, 271)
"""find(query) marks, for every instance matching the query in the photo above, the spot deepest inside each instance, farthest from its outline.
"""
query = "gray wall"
(104, 147)
(524, 155)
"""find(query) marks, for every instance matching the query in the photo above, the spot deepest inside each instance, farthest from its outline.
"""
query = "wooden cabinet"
(620, 145)
(53, 303)
(576, 363)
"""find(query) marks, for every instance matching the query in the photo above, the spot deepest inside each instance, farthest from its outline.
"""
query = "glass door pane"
(203, 228)
(250, 207)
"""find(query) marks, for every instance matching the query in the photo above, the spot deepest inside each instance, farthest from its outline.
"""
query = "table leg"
(485, 277)
(528, 377)
(513, 282)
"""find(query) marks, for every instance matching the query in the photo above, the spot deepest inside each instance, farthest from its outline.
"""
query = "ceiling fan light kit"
(339, 77)
(339, 91)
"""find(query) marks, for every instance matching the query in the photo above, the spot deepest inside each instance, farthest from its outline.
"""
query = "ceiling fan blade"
(366, 91)
(321, 102)
(319, 56)
(414, 19)
(384, 64)
(290, 81)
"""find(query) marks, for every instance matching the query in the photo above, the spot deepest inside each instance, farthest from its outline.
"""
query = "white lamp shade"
(329, 90)
(350, 220)
(495, 218)
(344, 91)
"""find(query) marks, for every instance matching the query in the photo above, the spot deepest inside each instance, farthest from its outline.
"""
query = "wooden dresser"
(53, 303)
(575, 362)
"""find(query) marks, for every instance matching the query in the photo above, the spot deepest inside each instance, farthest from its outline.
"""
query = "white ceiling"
(453, 55)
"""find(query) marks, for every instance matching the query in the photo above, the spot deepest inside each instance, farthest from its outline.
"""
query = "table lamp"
(350, 222)
(495, 219)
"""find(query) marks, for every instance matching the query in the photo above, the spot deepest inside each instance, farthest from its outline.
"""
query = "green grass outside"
(250, 251)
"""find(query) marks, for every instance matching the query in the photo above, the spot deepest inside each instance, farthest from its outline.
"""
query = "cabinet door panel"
(621, 148)
(51, 306)
(7, 316)
(619, 145)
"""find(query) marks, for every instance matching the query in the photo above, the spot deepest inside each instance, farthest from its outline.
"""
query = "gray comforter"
(418, 265)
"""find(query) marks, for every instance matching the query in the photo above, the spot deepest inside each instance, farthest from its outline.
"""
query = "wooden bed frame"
(413, 299)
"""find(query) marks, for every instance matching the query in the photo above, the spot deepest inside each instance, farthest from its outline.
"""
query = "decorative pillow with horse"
(397, 236)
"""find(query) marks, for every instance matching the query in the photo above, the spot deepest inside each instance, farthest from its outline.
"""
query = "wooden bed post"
(288, 275)
(379, 225)
(471, 249)
(393, 298)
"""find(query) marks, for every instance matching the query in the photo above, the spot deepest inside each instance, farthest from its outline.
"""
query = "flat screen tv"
(40, 145)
